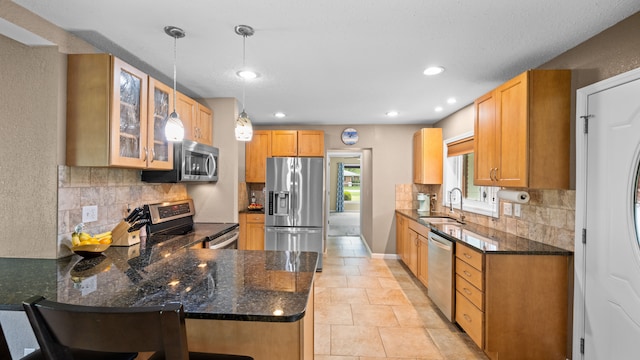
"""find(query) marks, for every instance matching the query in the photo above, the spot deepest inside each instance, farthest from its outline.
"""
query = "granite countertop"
(486, 239)
(271, 286)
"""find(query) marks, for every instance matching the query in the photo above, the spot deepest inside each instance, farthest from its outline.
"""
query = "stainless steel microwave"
(192, 161)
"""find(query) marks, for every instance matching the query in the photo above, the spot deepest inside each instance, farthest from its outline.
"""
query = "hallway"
(368, 309)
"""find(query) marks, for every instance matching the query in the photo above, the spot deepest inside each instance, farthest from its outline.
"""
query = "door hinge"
(582, 346)
(586, 122)
(584, 236)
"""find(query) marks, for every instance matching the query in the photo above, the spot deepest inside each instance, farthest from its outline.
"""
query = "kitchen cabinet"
(203, 128)
(256, 153)
(400, 231)
(251, 231)
(107, 121)
(513, 306)
(412, 246)
(427, 156)
(286, 143)
(311, 143)
(160, 154)
(297, 143)
(423, 258)
(522, 132)
(469, 314)
(196, 118)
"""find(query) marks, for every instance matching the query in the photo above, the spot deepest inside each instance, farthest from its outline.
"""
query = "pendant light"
(174, 129)
(244, 129)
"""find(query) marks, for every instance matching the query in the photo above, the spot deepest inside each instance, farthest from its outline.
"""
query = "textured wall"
(112, 190)
(28, 172)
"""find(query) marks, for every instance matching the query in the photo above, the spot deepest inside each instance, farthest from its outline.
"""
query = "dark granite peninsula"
(256, 303)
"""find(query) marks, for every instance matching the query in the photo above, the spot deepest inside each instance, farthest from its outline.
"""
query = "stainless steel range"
(169, 220)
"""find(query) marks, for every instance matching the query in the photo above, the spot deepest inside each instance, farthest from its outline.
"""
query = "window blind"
(460, 147)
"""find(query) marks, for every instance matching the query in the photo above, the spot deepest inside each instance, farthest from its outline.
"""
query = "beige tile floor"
(368, 309)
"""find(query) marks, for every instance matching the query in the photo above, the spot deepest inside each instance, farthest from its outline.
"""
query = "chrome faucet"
(451, 203)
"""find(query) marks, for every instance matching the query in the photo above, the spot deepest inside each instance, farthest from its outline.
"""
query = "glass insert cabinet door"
(129, 116)
(160, 149)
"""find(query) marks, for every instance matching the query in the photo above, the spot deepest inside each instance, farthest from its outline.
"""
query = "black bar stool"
(76, 332)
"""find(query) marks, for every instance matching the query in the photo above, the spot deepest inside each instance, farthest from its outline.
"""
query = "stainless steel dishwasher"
(440, 270)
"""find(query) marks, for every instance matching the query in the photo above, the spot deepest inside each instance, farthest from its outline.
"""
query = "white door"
(607, 288)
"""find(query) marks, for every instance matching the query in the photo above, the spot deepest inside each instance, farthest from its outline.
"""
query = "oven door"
(226, 241)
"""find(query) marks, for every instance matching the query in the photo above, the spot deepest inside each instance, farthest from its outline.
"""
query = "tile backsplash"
(112, 190)
(549, 216)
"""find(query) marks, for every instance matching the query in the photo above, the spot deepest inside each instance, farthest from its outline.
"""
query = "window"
(458, 173)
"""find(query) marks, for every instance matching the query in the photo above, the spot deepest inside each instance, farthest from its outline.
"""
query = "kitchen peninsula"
(256, 303)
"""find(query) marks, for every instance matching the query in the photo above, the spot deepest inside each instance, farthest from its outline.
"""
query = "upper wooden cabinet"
(256, 153)
(268, 143)
(427, 156)
(160, 151)
(297, 143)
(107, 121)
(196, 118)
(204, 125)
(522, 132)
(284, 143)
(311, 143)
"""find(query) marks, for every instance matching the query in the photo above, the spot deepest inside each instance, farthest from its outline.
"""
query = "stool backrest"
(59, 327)
(4, 346)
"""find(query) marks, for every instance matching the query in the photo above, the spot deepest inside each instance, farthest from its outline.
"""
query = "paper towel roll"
(520, 197)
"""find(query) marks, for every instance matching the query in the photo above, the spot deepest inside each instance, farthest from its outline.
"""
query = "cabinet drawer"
(470, 292)
(469, 273)
(470, 319)
(471, 257)
(255, 218)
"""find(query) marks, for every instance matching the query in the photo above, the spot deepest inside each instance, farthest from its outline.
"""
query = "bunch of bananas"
(83, 238)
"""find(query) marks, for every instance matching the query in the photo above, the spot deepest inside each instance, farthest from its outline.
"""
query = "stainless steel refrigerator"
(294, 205)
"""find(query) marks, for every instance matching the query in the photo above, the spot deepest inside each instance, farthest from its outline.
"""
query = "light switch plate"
(89, 213)
(506, 209)
(516, 210)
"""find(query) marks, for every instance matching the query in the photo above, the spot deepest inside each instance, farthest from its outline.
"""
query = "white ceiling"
(339, 61)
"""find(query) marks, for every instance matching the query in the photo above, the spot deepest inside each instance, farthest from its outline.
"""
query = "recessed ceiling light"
(247, 74)
(279, 114)
(433, 70)
(438, 108)
(392, 113)
(451, 100)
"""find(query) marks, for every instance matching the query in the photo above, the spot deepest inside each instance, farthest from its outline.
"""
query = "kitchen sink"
(439, 220)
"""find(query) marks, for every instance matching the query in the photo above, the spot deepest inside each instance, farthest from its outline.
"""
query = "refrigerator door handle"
(289, 230)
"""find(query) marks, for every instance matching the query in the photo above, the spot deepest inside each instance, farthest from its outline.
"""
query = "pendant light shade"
(174, 129)
(244, 129)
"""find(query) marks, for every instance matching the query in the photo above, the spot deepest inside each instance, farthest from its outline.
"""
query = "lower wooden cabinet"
(412, 246)
(514, 306)
(251, 231)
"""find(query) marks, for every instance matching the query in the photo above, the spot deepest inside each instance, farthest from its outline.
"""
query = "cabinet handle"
(467, 317)
(467, 273)
(467, 256)
(146, 153)
(466, 291)
(153, 154)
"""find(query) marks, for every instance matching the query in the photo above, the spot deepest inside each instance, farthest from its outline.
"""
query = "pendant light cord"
(175, 57)
(244, 80)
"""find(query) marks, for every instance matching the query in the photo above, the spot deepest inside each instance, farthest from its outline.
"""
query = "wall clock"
(349, 136)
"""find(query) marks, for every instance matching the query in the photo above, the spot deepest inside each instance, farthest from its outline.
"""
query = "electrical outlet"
(89, 213)
(506, 209)
(516, 210)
